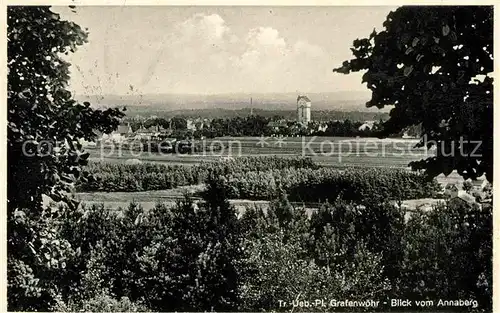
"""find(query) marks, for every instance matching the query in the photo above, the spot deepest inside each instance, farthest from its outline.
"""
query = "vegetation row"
(263, 178)
(146, 176)
(323, 184)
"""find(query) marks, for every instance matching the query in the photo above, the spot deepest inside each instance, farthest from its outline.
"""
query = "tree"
(179, 123)
(434, 65)
(278, 263)
(448, 254)
(45, 126)
(206, 253)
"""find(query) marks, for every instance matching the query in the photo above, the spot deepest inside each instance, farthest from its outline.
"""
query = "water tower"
(303, 109)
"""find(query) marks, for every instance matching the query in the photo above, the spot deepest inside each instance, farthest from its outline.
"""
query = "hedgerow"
(318, 185)
(148, 176)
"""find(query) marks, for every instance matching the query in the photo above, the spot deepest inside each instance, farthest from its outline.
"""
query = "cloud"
(178, 49)
(203, 54)
(265, 37)
(208, 28)
(270, 63)
(208, 57)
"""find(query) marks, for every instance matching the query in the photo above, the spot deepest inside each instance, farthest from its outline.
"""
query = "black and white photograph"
(249, 158)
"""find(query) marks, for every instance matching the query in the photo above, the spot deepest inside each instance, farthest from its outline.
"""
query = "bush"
(178, 258)
(339, 226)
(445, 253)
(207, 249)
(101, 303)
(128, 248)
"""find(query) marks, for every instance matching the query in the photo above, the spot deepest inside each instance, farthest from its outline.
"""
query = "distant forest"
(316, 115)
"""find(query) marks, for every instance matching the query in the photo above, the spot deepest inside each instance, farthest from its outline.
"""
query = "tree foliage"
(148, 176)
(426, 63)
(329, 184)
(259, 125)
(201, 256)
(44, 155)
(456, 239)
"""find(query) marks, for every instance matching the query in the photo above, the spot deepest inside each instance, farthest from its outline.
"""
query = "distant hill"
(159, 104)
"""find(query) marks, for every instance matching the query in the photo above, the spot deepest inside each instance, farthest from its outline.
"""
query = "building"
(322, 127)
(148, 133)
(190, 124)
(124, 130)
(303, 109)
(464, 197)
(121, 134)
(367, 125)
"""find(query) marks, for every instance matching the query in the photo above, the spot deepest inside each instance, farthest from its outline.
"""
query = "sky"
(214, 50)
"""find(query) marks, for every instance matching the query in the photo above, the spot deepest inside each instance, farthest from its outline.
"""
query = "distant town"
(155, 128)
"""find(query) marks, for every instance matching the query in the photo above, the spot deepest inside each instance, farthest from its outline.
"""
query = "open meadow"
(326, 151)
(331, 152)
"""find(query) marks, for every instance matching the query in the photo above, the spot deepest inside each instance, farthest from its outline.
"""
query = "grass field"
(326, 151)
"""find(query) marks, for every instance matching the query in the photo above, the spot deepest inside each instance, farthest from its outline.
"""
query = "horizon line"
(222, 93)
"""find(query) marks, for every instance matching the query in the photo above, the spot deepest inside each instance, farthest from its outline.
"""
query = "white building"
(190, 124)
(123, 130)
(322, 127)
(303, 109)
(367, 125)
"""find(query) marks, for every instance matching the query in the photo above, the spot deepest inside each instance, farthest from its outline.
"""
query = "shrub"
(101, 303)
(339, 226)
(117, 247)
(206, 252)
(179, 258)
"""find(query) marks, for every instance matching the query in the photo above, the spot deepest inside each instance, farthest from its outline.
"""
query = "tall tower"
(303, 109)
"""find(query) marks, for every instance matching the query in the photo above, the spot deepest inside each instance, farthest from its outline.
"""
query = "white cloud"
(209, 28)
(270, 63)
(177, 49)
(203, 54)
(265, 36)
